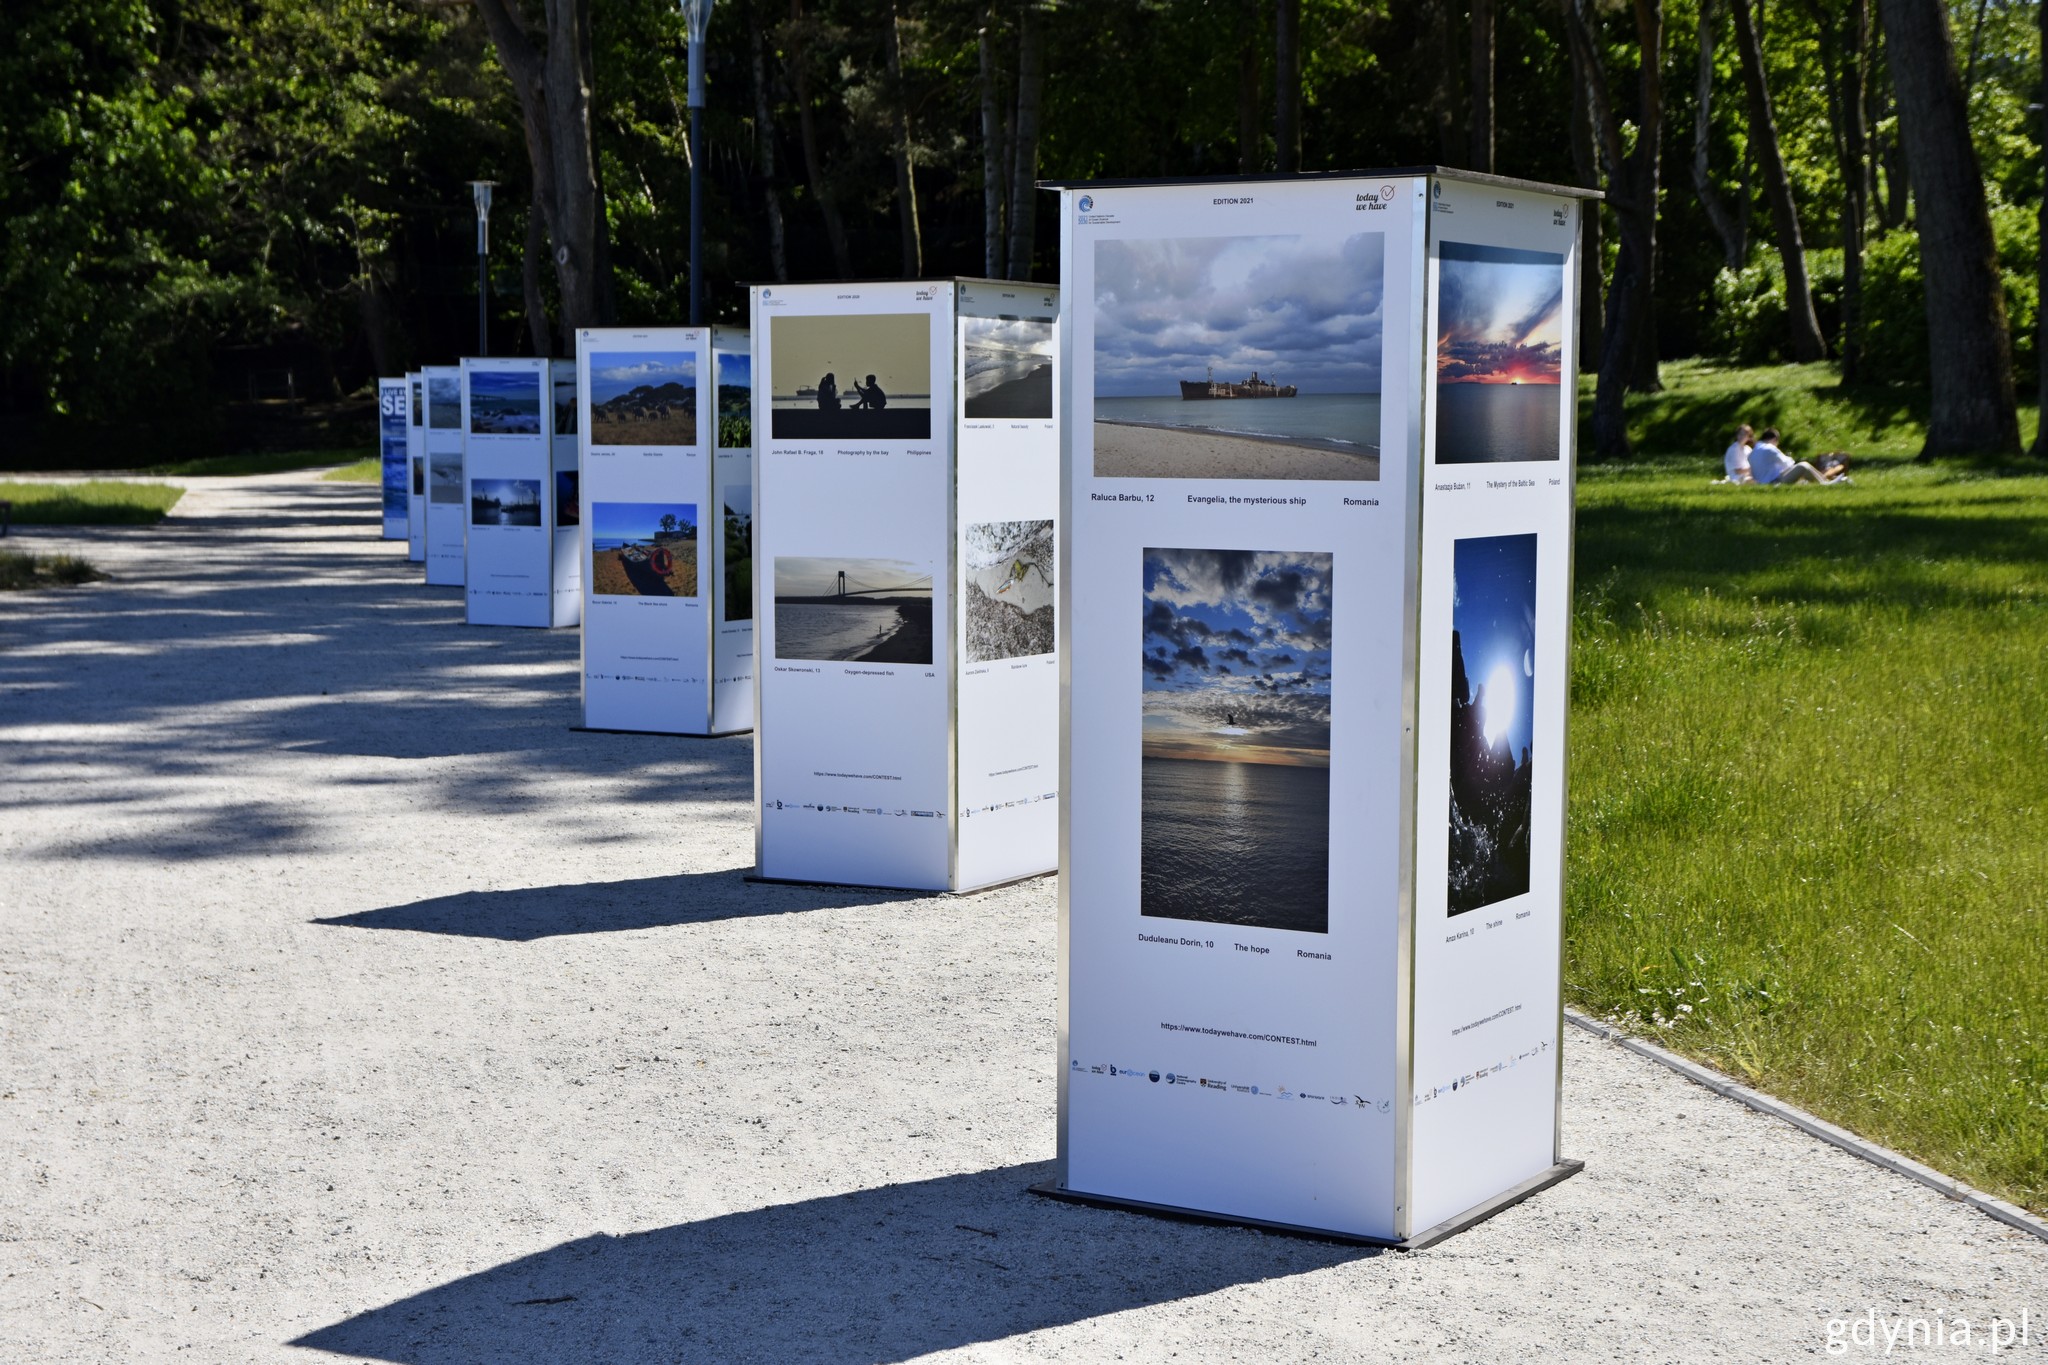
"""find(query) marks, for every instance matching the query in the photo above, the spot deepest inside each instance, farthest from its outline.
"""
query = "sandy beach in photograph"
(1133, 450)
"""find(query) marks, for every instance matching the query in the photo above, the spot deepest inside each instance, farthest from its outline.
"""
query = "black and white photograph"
(855, 610)
(1239, 357)
(864, 376)
(1234, 818)
(1493, 696)
(1006, 368)
(1009, 569)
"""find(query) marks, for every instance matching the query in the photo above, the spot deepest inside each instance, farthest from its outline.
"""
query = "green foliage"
(1749, 324)
(1895, 300)
(19, 571)
(1806, 795)
(95, 502)
(735, 431)
(370, 470)
(279, 462)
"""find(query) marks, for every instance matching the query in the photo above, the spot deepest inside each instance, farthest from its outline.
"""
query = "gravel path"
(353, 1004)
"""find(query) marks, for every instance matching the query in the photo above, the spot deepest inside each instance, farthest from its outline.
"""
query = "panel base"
(1563, 1170)
(669, 734)
(907, 890)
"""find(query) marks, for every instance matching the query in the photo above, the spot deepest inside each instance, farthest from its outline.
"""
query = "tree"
(1482, 86)
(668, 523)
(553, 81)
(1847, 76)
(1628, 353)
(1807, 342)
(1972, 410)
(2040, 450)
(1024, 140)
(1731, 226)
(1287, 85)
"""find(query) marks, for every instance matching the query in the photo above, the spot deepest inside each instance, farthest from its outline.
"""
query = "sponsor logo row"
(1472, 1078)
(1006, 805)
(1273, 1092)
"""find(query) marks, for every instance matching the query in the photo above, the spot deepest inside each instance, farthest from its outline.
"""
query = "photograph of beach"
(739, 552)
(444, 475)
(568, 498)
(1493, 696)
(866, 376)
(565, 405)
(444, 403)
(504, 402)
(643, 398)
(1006, 369)
(1009, 567)
(1499, 354)
(735, 400)
(876, 611)
(643, 549)
(1234, 806)
(1239, 357)
(504, 502)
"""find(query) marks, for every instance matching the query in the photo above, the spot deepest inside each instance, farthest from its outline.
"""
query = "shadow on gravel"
(528, 913)
(884, 1274)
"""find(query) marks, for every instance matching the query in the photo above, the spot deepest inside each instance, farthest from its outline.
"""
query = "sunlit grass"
(362, 471)
(1809, 794)
(19, 570)
(97, 502)
(274, 462)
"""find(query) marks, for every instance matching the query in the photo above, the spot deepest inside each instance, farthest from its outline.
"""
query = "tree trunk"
(1628, 353)
(906, 178)
(1483, 24)
(1807, 342)
(1972, 409)
(1733, 231)
(764, 136)
(1846, 80)
(1440, 59)
(1592, 262)
(2040, 450)
(807, 127)
(1248, 136)
(993, 158)
(1887, 154)
(529, 282)
(1287, 85)
(553, 86)
(1024, 186)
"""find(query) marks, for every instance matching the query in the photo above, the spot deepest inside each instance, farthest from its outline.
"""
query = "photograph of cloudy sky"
(1499, 354)
(1234, 814)
(1239, 357)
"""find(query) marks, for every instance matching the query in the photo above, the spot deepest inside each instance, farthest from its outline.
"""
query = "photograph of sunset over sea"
(1499, 346)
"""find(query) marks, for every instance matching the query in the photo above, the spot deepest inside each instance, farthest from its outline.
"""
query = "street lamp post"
(697, 19)
(480, 191)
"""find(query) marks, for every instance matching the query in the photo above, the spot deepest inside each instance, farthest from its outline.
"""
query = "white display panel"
(393, 471)
(852, 565)
(732, 624)
(644, 433)
(567, 501)
(1238, 475)
(1007, 494)
(508, 478)
(447, 509)
(1496, 578)
(416, 468)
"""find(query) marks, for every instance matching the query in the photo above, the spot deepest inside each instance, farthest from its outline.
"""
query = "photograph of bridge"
(853, 610)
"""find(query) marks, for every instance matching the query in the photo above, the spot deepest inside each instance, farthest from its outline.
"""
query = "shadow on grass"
(890, 1273)
(528, 913)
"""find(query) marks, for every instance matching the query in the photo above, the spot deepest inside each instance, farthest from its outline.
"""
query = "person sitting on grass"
(1770, 465)
(1735, 459)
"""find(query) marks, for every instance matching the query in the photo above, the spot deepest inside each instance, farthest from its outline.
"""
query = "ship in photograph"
(1493, 680)
(853, 610)
(863, 376)
(1234, 804)
(643, 549)
(1310, 308)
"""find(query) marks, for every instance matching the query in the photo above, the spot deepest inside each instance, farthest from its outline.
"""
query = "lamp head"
(696, 18)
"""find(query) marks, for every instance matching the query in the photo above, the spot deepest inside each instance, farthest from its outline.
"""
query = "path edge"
(2012, 1215)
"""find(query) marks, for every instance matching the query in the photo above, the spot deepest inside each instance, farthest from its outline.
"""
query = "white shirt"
(1767, 462)
(1735, 461)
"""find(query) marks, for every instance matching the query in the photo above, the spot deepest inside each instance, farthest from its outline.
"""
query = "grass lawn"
(98, 502)
(370, 470)
(19, 571)
(277, 462)
(1809, 777)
